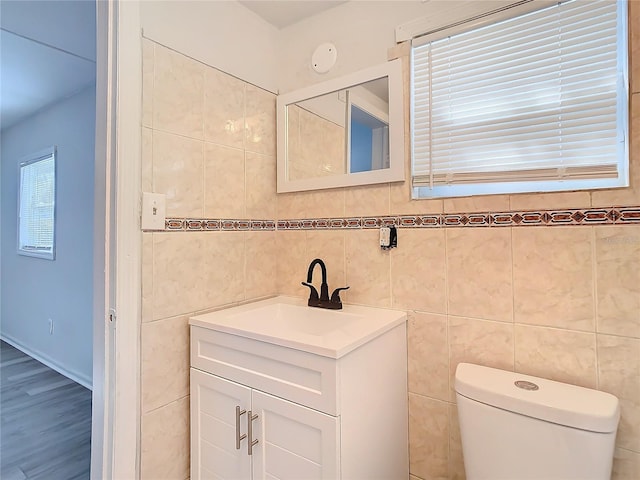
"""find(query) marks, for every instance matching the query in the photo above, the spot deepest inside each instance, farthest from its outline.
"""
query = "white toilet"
(517, 427)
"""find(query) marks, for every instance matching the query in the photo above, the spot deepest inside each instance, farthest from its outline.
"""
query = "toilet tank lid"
(555, 402)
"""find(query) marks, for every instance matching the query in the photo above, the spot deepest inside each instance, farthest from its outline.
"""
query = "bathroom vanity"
(282, 390)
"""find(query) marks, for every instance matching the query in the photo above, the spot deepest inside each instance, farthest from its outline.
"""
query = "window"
(36, 211)
(535, 103)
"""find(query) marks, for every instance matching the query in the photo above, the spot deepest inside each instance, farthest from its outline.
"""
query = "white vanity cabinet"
(337, 414)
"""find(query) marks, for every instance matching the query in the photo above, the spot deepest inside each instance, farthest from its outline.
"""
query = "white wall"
(32, 289)
(362, 32)
(222, 34)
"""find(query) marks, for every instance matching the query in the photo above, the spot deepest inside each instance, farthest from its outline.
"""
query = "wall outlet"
(50, 326)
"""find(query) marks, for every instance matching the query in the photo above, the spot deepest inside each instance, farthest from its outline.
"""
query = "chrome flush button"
(526, 385)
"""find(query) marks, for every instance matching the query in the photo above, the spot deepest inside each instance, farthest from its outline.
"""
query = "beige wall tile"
(223, 108)
(370, 200)
(561, 355)
(553, 277)
(146, 170)
(179, 281)
(367, 269)
(626, 465)
(146, 277)
(480, 203)
(147, 81)
(428, 438)
(178, 167)
(480, 342)
(479, 273)
(178, 93)
(418, 279)
(292, 262)
(312, 204)
(260, 267)
(428, 355)
(619, 374)
(328, 245)
(260, 121)
(634, 47)
(260, 185)
(631, 194)
(223, 261)
(165, 362)
(618, 280)
(165, 442)
(548, 201)
(224, 179)
(456, 460)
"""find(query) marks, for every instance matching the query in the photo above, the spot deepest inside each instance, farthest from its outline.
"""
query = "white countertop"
(289, 322)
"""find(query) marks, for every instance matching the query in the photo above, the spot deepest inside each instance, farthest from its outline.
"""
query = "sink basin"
(289, 322)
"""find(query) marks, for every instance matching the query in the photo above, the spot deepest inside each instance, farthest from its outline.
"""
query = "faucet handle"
(313, 294)
(335, 296)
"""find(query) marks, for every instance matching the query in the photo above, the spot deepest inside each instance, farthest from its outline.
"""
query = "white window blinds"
(533, 103)
(37, 206)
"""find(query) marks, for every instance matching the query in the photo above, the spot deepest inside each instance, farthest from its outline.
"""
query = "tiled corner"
(146, 157)
(224, 180)
(224, 98)
(146, 274)
(456, 459)
(260, 121)
(562, 355)
(428, 362)
(367, 269)
(165, 442)
(178, 93)
(481, 342)
(178, 165)
(553, 277)
(619, 374)
(260, 181)
(479, 273)
(418, 273)
(261, 265)
(165, 362)
(428, 437)
(618, 280)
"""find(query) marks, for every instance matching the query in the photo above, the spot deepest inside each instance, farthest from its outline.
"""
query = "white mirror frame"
(395, 172)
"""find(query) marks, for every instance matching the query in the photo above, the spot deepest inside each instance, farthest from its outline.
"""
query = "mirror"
(346, 131)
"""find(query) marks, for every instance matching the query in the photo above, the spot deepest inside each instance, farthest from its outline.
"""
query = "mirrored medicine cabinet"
(343, 132)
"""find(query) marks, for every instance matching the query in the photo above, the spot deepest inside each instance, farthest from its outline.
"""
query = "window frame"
(22, 249)
(546, 186)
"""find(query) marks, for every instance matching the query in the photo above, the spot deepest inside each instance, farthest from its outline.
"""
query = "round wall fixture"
(324, 57)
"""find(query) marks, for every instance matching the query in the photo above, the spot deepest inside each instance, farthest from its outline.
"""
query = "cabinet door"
(213, 428)
(294, 442)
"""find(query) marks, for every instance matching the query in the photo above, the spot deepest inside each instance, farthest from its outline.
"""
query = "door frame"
(115, 437)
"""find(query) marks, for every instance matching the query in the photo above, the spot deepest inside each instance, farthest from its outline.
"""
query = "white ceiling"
(282, 13)
(47, 52)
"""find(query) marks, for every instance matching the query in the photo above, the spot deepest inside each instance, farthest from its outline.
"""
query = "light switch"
(153, 211)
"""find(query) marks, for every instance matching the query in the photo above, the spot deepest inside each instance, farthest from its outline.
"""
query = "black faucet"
(322, 301)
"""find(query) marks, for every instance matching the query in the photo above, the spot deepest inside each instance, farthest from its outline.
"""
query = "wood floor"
(45, 421)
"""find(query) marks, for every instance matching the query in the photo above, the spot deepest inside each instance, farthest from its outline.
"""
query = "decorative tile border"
(588, 216)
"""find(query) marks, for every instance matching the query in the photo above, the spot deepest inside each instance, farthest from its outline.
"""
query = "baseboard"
(81, 379)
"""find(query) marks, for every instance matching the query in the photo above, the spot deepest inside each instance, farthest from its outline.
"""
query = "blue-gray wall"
(32, 289)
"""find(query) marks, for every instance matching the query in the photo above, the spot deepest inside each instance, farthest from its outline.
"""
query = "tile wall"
(561, 302)
(209, 145)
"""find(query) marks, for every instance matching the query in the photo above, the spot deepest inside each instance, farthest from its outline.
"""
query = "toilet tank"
(519, 427)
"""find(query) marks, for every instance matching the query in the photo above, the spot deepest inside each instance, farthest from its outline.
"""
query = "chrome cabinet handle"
(251, 442)
(239, 437)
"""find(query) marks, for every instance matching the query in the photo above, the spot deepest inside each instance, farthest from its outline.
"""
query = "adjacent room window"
(36, 208)
(534, 103)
